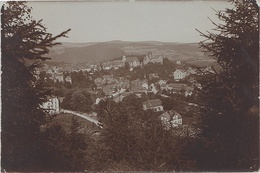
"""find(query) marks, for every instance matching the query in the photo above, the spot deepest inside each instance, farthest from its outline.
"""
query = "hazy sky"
(128, 21)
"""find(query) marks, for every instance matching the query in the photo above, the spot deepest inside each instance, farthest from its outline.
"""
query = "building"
(98, 100)
(121, 96)
(51, 106)
(68, 79)
(174, 87)
(151, 58)
(139, 86)
(131, 60)
(191, 71)
(178, 62)
(109, 90)
(179, 74)
(155, 105)
(154, 88)
(171, 119)
(58, 77)
(162, 82)
(188, 91)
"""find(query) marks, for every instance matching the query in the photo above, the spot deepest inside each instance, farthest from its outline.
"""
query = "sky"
(128, 21)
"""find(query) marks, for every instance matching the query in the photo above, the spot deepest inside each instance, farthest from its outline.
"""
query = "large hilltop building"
(131, 60)
(151, 58)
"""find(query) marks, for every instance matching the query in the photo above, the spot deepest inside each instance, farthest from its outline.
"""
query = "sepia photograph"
(130, 86)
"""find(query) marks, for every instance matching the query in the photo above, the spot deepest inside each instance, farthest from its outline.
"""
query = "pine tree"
(229, 103)
(25, 42)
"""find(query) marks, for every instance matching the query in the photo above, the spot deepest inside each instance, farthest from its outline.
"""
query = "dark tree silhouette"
(229, 103)
(24, 44)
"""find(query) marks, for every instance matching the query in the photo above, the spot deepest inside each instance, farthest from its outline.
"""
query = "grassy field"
(86, 126)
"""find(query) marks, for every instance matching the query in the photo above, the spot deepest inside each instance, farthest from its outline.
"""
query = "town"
(165, 87)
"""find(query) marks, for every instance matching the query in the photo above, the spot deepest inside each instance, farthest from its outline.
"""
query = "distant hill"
(103, 51)
(92, 53)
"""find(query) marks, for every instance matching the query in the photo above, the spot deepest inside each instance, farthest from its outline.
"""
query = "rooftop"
(152, 103)
(170, 114)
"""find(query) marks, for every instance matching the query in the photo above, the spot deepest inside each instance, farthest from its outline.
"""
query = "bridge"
(82, 115)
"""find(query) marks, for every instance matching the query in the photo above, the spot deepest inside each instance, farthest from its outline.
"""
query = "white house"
(171, 119)
(178, 62)
(155, 105)
(98, 100)
(179, 74)
(145, 84)
(188, 91)
(51, 106)
(162, 82)
(68, 79)
(58, 77)
(154, 88)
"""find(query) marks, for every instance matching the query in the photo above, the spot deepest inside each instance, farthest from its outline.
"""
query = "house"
(109, 89)
(51, 106)
(122, 84)
(95, 67)
(131, 60)
(138, 89)
(162, 82)
(139, 86)
(98, 82)
(179, 74)
(58, 77)
(171, 119)
(121, 96)
(191, 79)
(98, 100)
(154, 88)
(68, 79)
(155, 105)
(87, 68)
(178, 62)
(174, 87)
(188, 91)
(191, 71)
(106, 66)
(36, 74)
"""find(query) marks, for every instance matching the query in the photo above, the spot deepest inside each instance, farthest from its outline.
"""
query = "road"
(82, 115)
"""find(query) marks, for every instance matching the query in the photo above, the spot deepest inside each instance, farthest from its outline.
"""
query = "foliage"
(136, 140)
(228, 96)
(77, 100)
(80, 80)
(65, 151)
(24, 44)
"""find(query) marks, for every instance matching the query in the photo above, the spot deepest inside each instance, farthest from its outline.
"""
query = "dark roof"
(137, 88)
(174, 85)
(152, 103)
(108, 89)
(170, 114)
